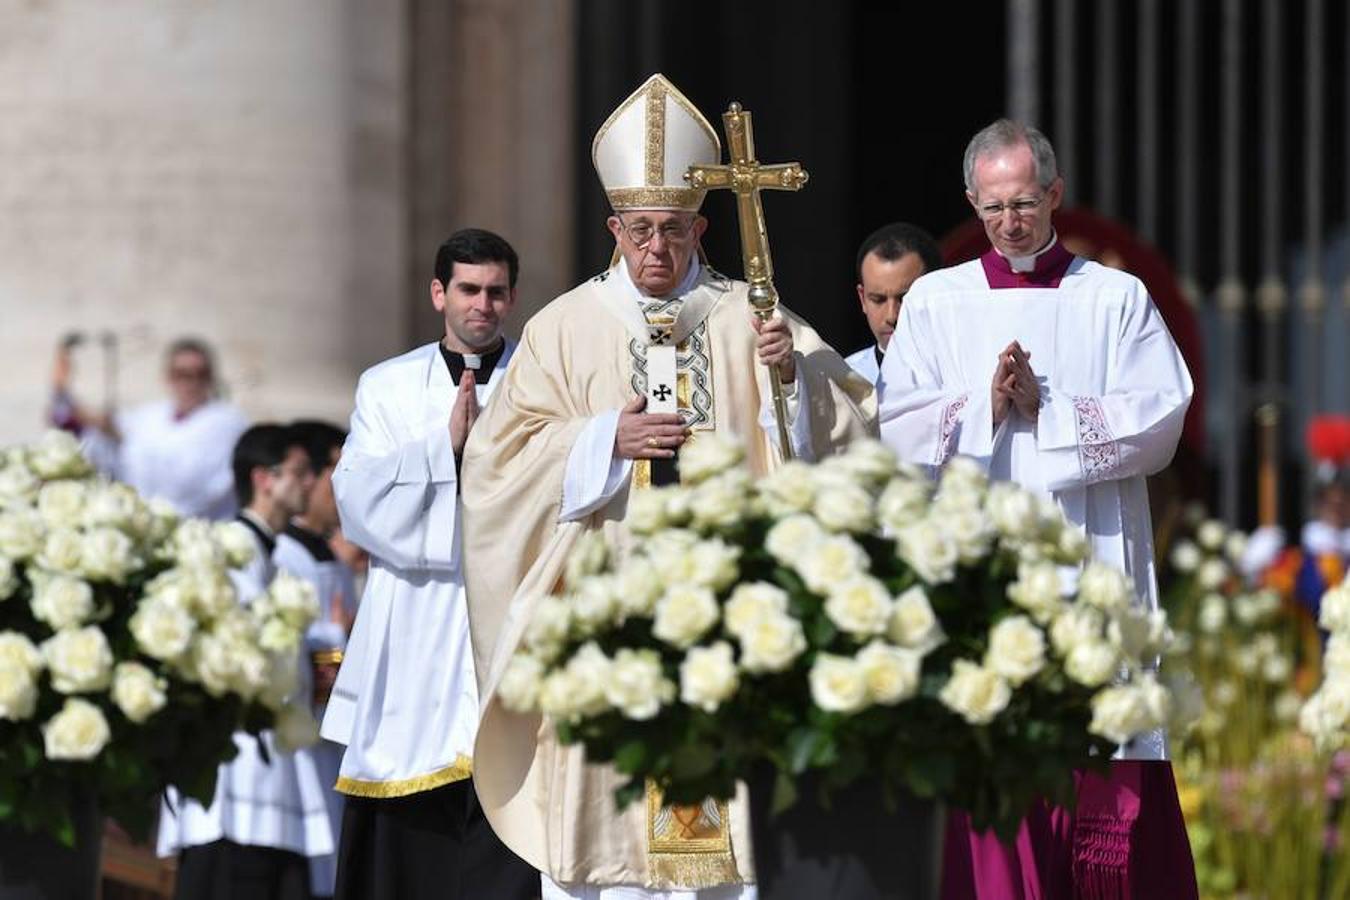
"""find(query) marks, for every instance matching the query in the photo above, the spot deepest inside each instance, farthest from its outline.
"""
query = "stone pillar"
(494, 141)
(230, 170)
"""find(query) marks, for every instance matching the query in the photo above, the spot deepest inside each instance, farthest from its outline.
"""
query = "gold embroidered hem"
(459, 770)
(689, 846)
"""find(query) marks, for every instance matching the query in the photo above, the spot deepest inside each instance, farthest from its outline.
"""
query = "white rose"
(62, 551)
(591, 671)
(831, 562)
(1213, 614)
(112, 505)
(1286, 706)
(860, 606)
(57, 455)
(162, 630)
(278, 636)
(789, 489)
(195, 547)
(637, 686)
(646, 513)
(1157, 698)
(903, 502)
(519, 688)
(61, 504)
(108, 555)
(716, 563)
(838, 684)
(707, 455)
(1211, 534)
(1013, 511)
(975, 693)
(891, 673)
(137, 691)
(1212, 574)
(638, 587)
(843, 507)
(1140, 634)
(1326, 714)
(294, 599)
(970, 531)
(1277, 669)
(790, 538)
(559, 696)
(684, 614)
(676, 501)
(295, 728)
(18, 690)
(708, 676)
(588, 557)
(1038, 589)
(1092, 664)
(1235, 547)
(1336, 656)
(78, 732)
(1186, 557)
(870, 460)
(771, 643)
(17, 649)
(957, 496)
(237, 543)
(9, 579)
(1121, 712)
(913, 623)
(1072, 547)
(1105, 587)
(62, 601)
(1335, 612)
(927, 549)
(1074, 626)
(163, 521)
(750, 601)
(213, 594)
(550, 623)
(18, 486)
(1016, 650)
(964, 472)
(79, 660)
(22, 534)
(720, 501)
(594, 603)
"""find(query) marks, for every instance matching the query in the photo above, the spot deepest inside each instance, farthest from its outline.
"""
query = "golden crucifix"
(746, 177)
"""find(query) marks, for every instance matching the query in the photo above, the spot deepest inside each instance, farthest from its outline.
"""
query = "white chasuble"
(406, 699)
(539, 472)
(1114, 391)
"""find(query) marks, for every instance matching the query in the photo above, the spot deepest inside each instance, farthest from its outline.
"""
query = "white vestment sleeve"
(799, 426)
(398, 501)
(1131, 429)
(594, 474)
(923, 419)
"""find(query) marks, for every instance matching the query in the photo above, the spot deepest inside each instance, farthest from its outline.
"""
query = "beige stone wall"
(233, 170)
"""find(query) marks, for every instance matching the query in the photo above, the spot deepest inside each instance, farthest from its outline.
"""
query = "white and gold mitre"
(646, 145)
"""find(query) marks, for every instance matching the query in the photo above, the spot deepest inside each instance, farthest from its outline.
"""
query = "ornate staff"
(746, 177)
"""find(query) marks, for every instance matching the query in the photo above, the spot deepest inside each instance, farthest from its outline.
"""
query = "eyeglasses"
(642, 232)
(1023, 206)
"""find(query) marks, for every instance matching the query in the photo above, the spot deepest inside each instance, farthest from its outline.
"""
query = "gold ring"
(652, 441)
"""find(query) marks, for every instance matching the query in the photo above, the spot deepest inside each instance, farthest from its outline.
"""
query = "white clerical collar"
(259, 521)
(1028, 263)
(685, 286)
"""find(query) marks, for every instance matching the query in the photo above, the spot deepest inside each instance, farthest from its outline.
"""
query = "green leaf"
(784, 794)
(692, 761)
(631, 757)
(801, 748)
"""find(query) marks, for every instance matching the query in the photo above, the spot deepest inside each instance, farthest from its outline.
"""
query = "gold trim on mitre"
(643, 149)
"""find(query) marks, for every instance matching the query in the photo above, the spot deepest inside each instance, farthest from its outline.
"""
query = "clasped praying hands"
(1015, 385)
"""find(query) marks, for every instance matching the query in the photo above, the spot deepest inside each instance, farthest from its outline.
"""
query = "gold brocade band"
(689, 846)
(687, 199)
(332, 657)
(459, 770)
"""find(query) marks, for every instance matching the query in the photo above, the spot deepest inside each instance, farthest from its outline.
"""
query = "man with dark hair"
(303, 550)
(268, 816)
(176, 450)
(406, 699)
(889, 262)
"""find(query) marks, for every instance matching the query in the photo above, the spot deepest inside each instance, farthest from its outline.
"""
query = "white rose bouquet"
(851, 618)
(126, 659)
